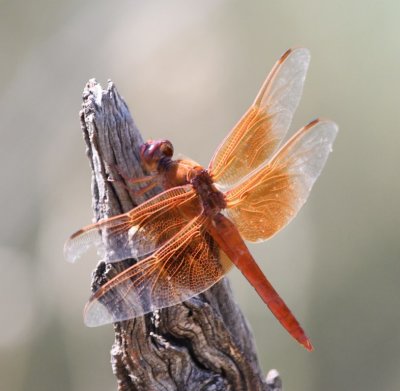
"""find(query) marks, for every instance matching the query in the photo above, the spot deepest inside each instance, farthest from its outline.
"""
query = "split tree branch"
(202, 344)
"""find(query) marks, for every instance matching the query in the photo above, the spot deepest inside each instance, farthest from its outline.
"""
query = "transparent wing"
(186, 265)
(136, 233)
(260, 131)
(271, 196)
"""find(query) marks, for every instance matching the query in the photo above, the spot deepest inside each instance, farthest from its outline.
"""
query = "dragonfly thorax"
(213, 201)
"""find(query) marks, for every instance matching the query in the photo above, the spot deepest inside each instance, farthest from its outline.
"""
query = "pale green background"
(188, 70)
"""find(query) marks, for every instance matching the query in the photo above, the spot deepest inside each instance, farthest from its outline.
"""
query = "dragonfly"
(186, 238)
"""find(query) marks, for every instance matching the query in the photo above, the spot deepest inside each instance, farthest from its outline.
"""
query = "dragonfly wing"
(186, 265)
(271, 196)
(136, 233)
(260, 131)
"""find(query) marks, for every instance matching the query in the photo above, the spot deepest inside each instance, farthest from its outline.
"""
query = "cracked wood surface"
(202, 344)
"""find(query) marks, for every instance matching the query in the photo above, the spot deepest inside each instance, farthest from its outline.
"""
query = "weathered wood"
(202, 344)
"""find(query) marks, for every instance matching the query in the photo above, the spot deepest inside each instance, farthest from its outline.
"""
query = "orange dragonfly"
(188, 237)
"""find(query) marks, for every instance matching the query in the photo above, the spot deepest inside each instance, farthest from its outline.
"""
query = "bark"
(202, 344)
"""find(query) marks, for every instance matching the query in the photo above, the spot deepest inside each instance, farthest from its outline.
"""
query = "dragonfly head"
(153, 151)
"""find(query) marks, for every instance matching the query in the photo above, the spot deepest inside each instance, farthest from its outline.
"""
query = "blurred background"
(188, 70)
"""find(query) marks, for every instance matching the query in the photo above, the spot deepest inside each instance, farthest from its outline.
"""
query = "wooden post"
(202, 344)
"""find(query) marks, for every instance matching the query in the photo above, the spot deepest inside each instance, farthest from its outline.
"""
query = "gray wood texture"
(204, 343)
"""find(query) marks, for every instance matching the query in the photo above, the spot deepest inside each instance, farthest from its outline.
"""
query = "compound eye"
(153, 151)
(167, 148)
(145, 149)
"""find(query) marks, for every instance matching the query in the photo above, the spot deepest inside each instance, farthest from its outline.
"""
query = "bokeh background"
(188, 70)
